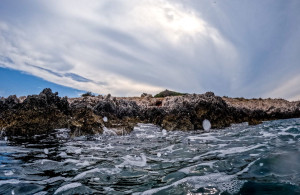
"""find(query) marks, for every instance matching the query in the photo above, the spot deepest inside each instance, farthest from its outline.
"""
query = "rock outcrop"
(40, 114)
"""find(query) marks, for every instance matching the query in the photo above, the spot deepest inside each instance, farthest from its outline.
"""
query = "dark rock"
(106, 108)
(39, 114)
(11, 101)
(84, 122)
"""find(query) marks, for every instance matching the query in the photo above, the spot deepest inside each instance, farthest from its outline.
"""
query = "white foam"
(67, 187)
(5, 138)
(187, 170)
(205, 137)
(107, 131)
(71, 161)
(83, 174)
(158, 154)
(83, 164)
(235, 150)
(8, 173)
(135, 161)
(108, 189)
(12, 192)
(74, 150)
(97, 170)
(164, 132)
(63, 154)
(109, 146)
(267, 134)
(222, 181)
(45, 160)
(78, 151)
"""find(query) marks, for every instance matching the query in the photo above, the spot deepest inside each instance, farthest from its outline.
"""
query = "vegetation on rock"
(88, 94)
(167, 93)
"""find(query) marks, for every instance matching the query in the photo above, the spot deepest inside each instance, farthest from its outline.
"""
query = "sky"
(237, 48)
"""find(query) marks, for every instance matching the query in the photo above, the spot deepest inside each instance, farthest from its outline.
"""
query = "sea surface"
(241, 159)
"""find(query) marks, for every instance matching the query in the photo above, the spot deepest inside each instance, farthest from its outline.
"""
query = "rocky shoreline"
(40, 114)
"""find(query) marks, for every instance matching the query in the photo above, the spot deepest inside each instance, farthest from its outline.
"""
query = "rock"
(107, 97)
(84, 121)
(209, 94)
(40, 114)
(105, 108)
(146, 95)
(11, 101)
(37, 114)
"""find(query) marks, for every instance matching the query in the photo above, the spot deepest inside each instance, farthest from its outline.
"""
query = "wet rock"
(84, 121)
(39, 114)
(106, 107)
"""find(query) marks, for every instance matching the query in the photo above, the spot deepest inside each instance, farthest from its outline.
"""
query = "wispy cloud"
(129, 47)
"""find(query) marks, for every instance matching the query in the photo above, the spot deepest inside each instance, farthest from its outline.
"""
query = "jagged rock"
(85, 121)
(11, 101)
(106, 107)
(107, 97)
(127, 108)
(146, 95)
(39, 114)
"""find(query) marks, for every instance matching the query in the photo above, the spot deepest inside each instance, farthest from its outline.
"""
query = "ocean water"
(242, 159)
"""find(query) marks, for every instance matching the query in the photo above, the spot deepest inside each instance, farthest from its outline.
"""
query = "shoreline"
(40, 114)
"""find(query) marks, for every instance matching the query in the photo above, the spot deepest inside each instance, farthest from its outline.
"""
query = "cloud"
(129, 47)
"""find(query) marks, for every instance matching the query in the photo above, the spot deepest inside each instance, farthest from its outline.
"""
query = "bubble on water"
(8, 173)
(222, 181)
(105, 119)
(5, 138)
(13, 192)
(139, 161)
(46, 151)
(206, 125)
(77, 151)
(164, 132)
(159, 154)
(261, 164)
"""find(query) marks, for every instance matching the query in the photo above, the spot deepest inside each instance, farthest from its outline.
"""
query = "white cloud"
(130, 47)
(133, 47)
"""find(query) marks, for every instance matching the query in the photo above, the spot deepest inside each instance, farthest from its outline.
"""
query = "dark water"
(263, 159)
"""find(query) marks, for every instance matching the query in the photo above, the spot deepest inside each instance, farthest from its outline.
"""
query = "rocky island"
(40, 114)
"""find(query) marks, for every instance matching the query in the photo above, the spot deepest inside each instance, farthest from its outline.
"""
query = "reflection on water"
(242, 159)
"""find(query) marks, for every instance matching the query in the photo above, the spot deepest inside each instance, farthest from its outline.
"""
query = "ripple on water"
(152, 160)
